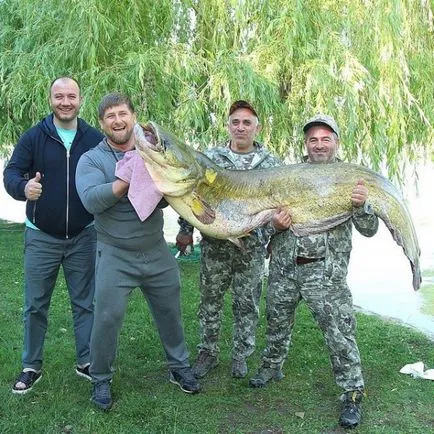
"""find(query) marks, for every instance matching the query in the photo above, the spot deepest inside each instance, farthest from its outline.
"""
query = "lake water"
(379, 274)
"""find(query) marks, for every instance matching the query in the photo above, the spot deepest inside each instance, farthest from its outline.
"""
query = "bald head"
(65, 101)
(65, 79)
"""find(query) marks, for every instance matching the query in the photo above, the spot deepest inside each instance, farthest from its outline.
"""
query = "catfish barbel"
(228, 204)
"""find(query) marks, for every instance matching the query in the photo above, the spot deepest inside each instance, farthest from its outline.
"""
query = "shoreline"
(379, 275)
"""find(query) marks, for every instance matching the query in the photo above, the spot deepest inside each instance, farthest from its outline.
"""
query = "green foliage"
(184, 61)
(305, 401)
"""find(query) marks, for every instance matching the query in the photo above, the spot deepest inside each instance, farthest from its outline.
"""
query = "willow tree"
(367, 63)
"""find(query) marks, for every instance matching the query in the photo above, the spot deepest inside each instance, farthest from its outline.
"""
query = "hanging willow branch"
(368, 63)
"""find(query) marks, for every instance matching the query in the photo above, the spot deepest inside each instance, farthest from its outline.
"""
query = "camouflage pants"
(330, 302)
(223, 266)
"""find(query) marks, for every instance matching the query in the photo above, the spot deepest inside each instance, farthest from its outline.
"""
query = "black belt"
(300, 260)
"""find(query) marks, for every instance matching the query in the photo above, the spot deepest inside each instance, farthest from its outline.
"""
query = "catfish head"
(193, 184)
(172, 164)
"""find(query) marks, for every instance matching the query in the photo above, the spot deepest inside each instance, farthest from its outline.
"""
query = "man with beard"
(130, 253)
(59, 231)
(313, 268)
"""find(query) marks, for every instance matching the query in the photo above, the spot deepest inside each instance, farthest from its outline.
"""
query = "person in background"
(59, 231)
(314, 268)
(130, 253)
(223, 265)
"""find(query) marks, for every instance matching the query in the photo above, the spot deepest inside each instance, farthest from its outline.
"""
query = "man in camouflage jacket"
(223, 265)
(314, 268)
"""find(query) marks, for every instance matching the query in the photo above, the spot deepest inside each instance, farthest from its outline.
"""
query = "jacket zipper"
(67, 186)
(67, 194)
(34, 213)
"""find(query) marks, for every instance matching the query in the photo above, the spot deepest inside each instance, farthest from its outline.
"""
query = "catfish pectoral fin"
(202, 210)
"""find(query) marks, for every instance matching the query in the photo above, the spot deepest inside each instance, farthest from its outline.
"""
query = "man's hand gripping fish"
(228, 204)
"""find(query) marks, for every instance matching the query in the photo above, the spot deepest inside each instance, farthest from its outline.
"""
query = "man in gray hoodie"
(130, 254)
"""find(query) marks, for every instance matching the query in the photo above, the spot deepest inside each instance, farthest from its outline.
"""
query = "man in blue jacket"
(59, 231)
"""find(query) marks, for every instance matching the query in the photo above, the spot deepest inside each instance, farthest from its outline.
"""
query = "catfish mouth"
(150, 134)
(172, 152)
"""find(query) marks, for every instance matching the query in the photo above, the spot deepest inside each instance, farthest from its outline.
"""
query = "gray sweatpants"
(118, 273)
(43, 256)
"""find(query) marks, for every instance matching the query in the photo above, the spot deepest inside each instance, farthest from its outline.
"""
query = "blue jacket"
(59, 211)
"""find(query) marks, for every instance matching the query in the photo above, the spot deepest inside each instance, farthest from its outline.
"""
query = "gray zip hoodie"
(116, 221)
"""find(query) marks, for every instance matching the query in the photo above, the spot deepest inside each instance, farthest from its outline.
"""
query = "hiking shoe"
(83, 371)
(29, 379)
(101, 395)
(264, 375)
(239, 368)
(351, 414)
(204, 363)
(185, 379)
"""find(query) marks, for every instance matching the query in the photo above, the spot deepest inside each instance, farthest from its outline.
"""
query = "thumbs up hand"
(33, 188)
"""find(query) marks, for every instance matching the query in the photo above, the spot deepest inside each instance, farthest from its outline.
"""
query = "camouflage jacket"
(224, 157)
(334, 245)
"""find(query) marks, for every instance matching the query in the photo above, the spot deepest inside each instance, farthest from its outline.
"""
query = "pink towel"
(143, 193)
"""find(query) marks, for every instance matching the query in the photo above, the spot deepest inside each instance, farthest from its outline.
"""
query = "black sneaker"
(29, 379)
(204, 363)
(185, 379)
(101, 395)
(352, 410)
(83, 372)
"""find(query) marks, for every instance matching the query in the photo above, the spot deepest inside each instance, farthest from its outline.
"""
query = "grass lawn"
(305, 401)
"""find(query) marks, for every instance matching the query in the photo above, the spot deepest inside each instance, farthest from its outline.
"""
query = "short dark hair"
(112, 100)
(242, 104)
(65, 77)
